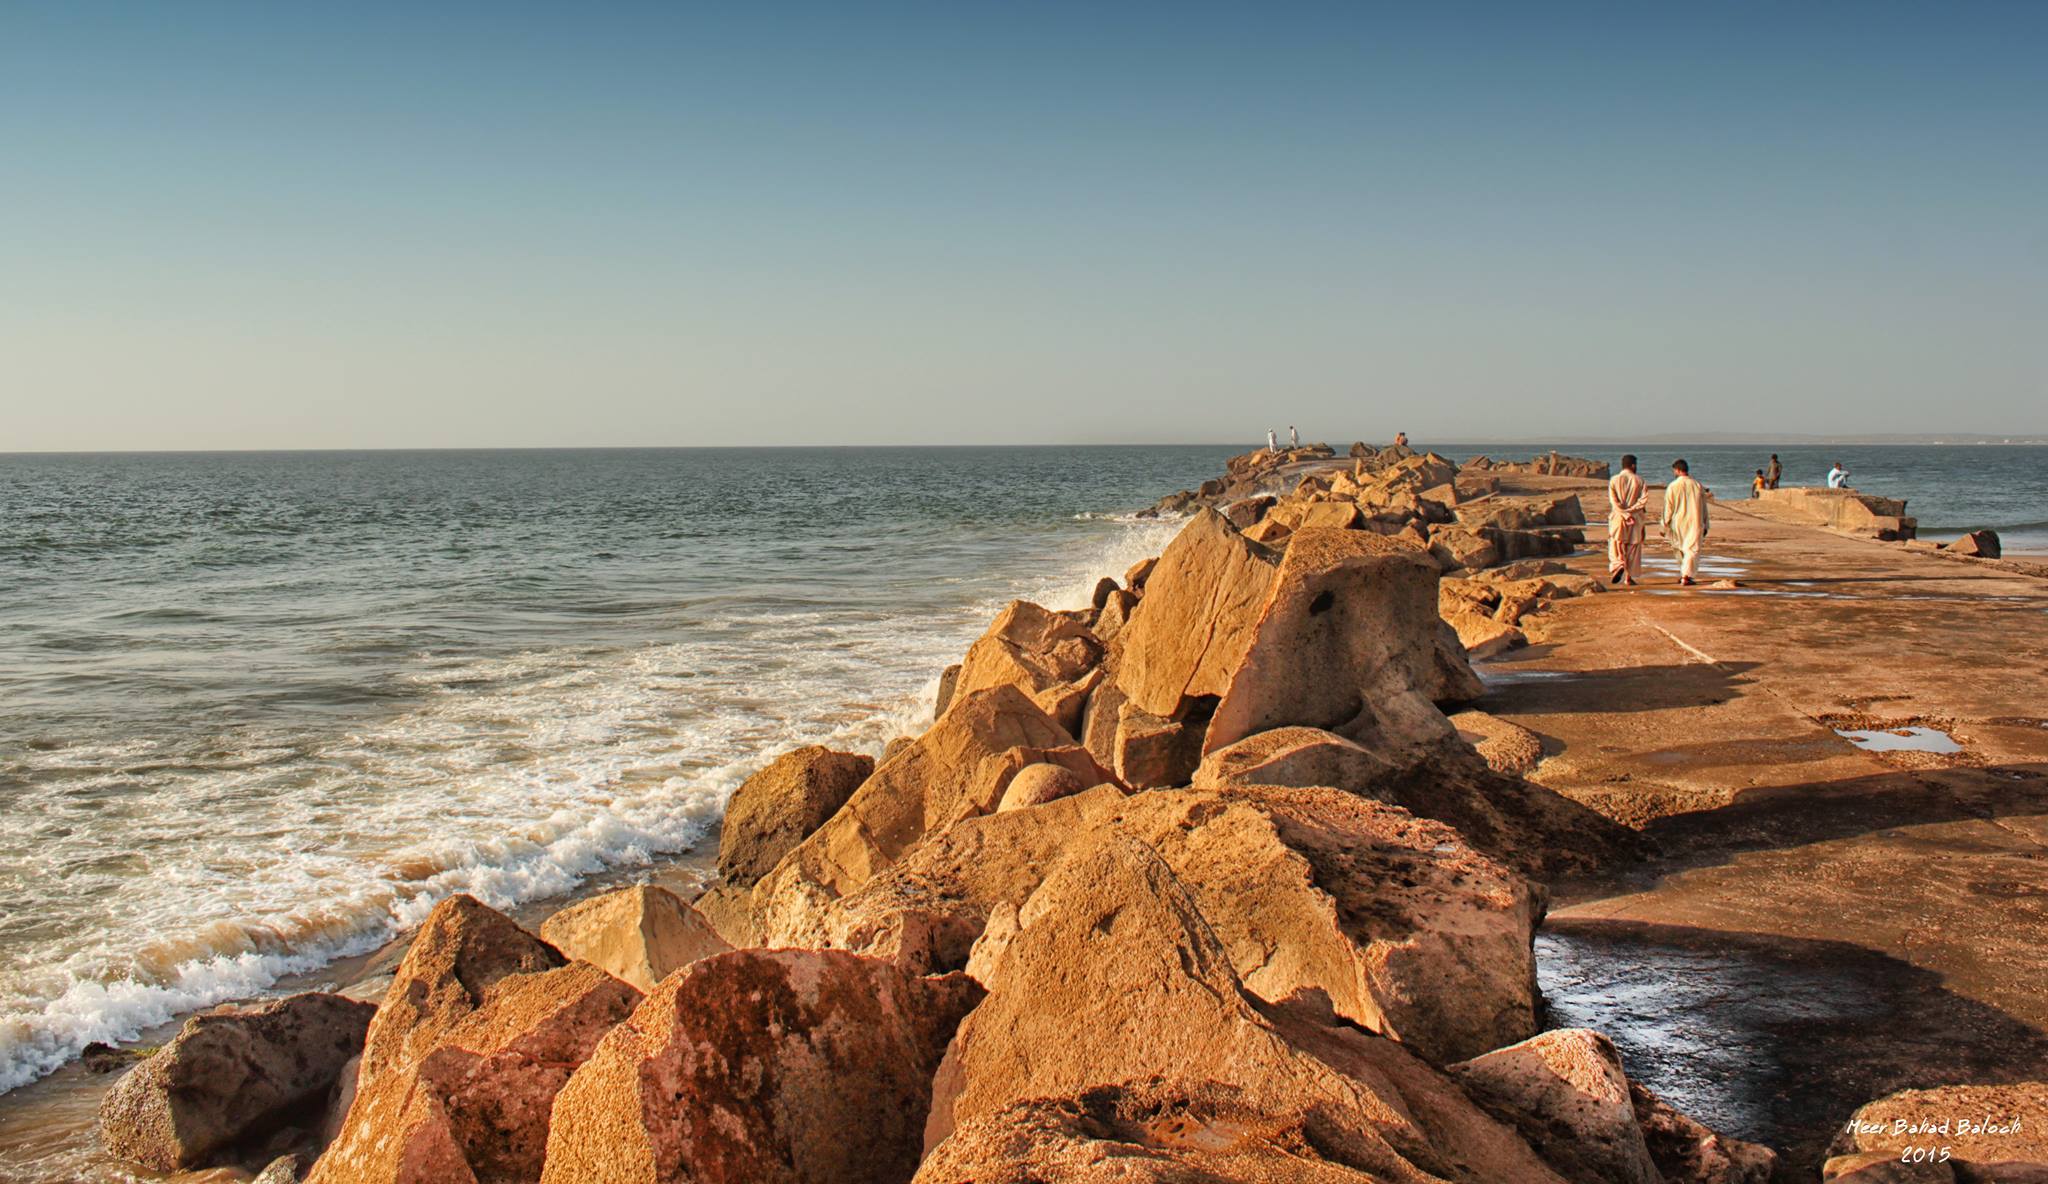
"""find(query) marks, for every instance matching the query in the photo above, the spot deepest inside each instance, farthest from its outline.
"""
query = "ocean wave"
(249, 857)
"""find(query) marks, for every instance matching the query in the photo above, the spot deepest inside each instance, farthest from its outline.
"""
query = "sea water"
(261, 710)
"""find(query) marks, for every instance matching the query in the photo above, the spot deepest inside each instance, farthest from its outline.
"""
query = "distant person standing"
(1685, 520)
(1838, 477)
(1776, 472)
(1293, 437)
(1628, 508)
(1758, 484)
(1272, 441)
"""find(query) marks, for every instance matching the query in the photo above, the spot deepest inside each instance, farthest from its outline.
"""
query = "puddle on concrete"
(1507, 678)
(1900, 739)
(1743, 592)
(1706, 1029)
(1708, 567)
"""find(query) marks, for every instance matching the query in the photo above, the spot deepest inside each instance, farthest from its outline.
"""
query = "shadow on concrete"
(1775, 1040)
(1793, 815)
(1627, 688)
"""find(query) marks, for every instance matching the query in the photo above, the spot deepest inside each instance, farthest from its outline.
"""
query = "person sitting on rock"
(1838, 477)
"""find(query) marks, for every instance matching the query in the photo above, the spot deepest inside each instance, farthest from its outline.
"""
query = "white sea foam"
(512, 779)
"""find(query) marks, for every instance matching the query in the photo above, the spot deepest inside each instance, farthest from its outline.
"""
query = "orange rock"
(1115, 977)
(1406, 930)
(926, 912)
(780, 806)
(761, 1067)
(461, 953)
(1134, 1133)
(925, 788)
(1571, 1099)
(1044, 654)
(1344, 639)
(474, 1108)
(230, 1075)
(1197, 619)
(1040, 783)
(641, 934)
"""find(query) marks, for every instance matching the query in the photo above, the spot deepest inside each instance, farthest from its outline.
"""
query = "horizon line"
(1924, 440)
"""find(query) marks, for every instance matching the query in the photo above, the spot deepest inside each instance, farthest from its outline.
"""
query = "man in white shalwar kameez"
(1685, 520)
(1628, 518)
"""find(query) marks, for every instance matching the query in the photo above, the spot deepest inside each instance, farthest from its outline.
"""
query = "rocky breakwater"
(1552, 464)
(1197, 884)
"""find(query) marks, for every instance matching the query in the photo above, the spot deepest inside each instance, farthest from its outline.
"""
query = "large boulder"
(1535, 830)
(1135, 1133)
(1506, 746)
(1567, 1092)
(1114, 614)
(475, 1107)
(460, 955)
(925, 913)
(1456, 682)
(1345, 640)
(1406, 930)
(1484, 636)
(1151, 751)
(781, 805)
(925, 788)
(1244, 513)
(641, 934)
(1115, 978)
(1981, 544)
(1457, 547)
(1198, 616)
(762, 1067)
(228, 1076)
(1035, 785)
(1046, 655)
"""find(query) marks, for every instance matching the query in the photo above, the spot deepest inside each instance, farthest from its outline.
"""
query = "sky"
(447, 225)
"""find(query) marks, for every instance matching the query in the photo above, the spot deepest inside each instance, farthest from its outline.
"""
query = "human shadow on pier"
(1620, 689)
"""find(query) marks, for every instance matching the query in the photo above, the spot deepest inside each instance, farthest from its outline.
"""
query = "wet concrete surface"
(1774, 1041)
(1823, 923)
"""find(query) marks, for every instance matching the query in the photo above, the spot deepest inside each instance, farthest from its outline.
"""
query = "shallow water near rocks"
(1705, 1029)
(1915, 739)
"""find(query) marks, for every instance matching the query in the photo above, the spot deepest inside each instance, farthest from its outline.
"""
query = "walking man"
(1685, 520)
(1628, 511)
(1293, 438)
(1272, 441)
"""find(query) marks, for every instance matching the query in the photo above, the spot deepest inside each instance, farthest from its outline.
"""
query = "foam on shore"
(511, 779)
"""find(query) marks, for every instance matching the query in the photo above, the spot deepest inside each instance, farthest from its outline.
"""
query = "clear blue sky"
(287, 225)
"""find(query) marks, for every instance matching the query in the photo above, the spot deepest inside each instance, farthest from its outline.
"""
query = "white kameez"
(1628, 514)
(1685, 522)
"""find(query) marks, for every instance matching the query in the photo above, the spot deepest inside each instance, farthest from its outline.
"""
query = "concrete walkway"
(1851, 921)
